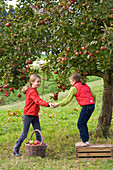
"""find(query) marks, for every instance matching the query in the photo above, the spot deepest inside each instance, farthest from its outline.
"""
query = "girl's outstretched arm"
(70, 96)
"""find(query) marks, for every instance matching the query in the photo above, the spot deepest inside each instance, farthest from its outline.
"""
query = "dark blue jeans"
(85, 114)
(27, 120)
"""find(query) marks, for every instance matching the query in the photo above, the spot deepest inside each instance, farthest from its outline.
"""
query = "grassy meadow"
(59, 130)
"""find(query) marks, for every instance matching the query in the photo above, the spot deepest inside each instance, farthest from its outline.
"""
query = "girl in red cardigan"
(31, 110)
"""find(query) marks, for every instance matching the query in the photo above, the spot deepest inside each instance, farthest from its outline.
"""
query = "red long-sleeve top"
(33, 102)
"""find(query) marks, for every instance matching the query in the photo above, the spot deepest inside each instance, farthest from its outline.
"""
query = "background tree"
(79, 35)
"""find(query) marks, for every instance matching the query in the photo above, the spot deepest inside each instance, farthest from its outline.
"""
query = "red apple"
(83, 23)
(55, 72)
(55, 98)
(6, 86)
(63, 87)
(56, 95)
(63, 32)
(87, 52)
(64, 59)
(19, 95)
(41, 21)
(97, 51)
(80, 52)
(64, 7)
(15, 35)
(0, 89)
(83, 48)
(68, 49)
(102, 48)
(72, 12)
(91, 54)
(28, 62)
(8, 24)
(59, 86)
(85, 73)
(62, 67)
(25, 53)
(11, 89)
(23, 76)
(18, 69)
(102, 39)
(6, 94)
(36, 142)
(77, 53)
(60, 58)
(111, 16)
(72, 2)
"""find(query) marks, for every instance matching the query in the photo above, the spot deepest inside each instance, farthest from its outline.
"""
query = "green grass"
(59, 131)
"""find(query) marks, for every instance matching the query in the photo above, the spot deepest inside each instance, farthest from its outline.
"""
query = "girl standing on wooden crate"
(31, 110)
(85, 98)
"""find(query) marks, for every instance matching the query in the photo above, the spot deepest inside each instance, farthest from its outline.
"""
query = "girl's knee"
(24, 135)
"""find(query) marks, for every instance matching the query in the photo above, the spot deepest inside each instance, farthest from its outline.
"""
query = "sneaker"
(82, 144)
(16, 153)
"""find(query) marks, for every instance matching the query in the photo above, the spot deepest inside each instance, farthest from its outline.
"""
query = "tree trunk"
(105, 117)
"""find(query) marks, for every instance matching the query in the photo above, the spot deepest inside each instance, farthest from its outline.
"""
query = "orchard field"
(59, 131)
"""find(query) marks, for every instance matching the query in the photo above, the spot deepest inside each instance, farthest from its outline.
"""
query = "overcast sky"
(11, 2)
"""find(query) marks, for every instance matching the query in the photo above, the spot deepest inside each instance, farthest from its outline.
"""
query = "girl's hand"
(56, 105)
(51, 105)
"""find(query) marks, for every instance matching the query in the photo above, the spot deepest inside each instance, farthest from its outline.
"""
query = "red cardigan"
(32, 102)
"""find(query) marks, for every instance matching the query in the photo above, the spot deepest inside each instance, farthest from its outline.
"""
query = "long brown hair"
(77, 77)
(32, 78)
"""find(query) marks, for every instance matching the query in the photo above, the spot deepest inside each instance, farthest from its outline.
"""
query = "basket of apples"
(34, 147)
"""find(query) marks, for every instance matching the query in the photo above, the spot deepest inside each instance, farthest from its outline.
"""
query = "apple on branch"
(59, 86)
(11, 89)
(8, 24)
(19, 95)
(83, 48)
(63, 88)
(15, 35)
(102, 48)
(55, 72)
(6, 86)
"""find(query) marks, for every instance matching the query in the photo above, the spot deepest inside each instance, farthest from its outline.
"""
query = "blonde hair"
(77, 77)
(32, 78)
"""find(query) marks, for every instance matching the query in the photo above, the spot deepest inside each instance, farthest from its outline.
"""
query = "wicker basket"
(36, 150)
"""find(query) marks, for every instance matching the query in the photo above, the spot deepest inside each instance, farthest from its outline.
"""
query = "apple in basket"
(36, 142)
(31, 142)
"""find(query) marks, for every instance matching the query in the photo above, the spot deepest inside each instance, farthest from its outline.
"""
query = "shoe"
(16, 153)
(82, 144)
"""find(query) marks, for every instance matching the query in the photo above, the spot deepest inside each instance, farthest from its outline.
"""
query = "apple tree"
(75, 35)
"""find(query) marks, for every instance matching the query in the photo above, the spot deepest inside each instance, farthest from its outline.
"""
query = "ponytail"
(25, 88)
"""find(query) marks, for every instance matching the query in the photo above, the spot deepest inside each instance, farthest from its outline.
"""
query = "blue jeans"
(85, 114)
(27, 120)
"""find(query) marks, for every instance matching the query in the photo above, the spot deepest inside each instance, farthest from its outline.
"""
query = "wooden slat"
(96, 146)
(108, 154)
(94, 158)
(93, 149)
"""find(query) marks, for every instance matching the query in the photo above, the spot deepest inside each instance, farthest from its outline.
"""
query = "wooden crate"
(95, 151)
